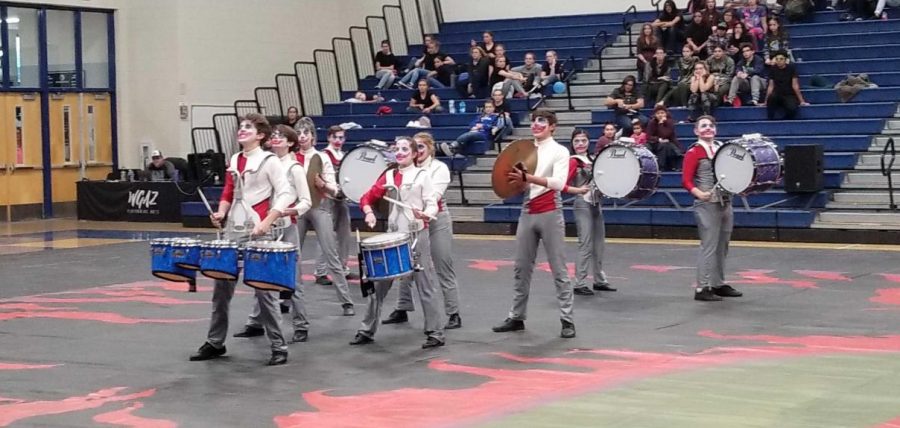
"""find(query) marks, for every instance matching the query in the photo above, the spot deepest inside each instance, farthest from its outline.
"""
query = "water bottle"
(122, 175)
(130, 175)
(452, 106)
(462, 106)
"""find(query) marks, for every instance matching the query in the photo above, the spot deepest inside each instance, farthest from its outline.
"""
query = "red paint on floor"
(764, 277)
(17, 411)
(18, 366)
(489, 265)
(887, 296)
(658, 268)
(892, 277)
(824, 275)
(126, 417)
(570, 268)
(107, 317)
(893, 423)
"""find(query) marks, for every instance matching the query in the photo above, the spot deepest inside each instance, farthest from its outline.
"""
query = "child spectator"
(750, 76)
(669, 27)
(481, 128)
(385, 66)
(657, 77)
(637, 133)
(784, 88)
(662, 140)
(424, 100)
(608, 137)
(754, 18)
(697, 35)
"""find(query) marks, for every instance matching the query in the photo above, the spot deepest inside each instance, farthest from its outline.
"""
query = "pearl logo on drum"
(737, 154)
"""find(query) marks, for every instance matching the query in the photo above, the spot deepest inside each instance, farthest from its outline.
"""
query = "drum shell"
(767, 165)
(647, 180)
(388, 259)
(359, 169)
(186, 253)
(219, 261)
(162, 262)
(268, 269)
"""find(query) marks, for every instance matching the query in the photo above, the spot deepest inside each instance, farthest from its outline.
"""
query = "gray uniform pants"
(591, 242)
(548, 227)
(300, 319)
(341, 216)
(321, 221)
(425, 283)
(440, 233)
(715, 222)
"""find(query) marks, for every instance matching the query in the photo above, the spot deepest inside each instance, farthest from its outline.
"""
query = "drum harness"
(724, 195)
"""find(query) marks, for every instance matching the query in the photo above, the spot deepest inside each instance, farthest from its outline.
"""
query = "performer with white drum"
(440, 233)
(256, 194)
(712, 209)
(284, 144)
(411, 188)
(541, 220)
(320, 217)
(588, 218)
(340, 213)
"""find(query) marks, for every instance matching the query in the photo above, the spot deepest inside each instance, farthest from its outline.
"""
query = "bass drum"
(747, 165)
(360, 168)
(628, 172)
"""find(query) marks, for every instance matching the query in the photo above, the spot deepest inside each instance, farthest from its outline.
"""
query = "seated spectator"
(754, 18)
(427, 40)
(428, 63)
(551, 71)
(730, 21)
(663, 141)
(495, 76)
(697, 35)
(776, 40)
(530, 72)
(482, 128)
(702, 100)
(669, 26)
(695, 5)
(749, 78)
(293, 117)
(487, 45)
(657, 77)
(159, 169)
(361, 97)
(646, 48)
(717, 40)
(385, 66)
(784, 88)
(637, 133)
(499, 50)
(678, 95)
(511, 85)
(627, 101)
(735, 4)
(738, 38)
(711, 15)
(879, 8)
(442, 73)
(721, 66)
(608, 137)
(860, 10)
(424, 100)
(504, 115)
(475, 81)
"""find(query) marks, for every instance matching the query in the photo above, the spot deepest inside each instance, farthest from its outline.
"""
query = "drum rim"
(273, 285)
(402, 238)
(186, 278)
(391, 277)
(220, 244)
(257, 247)
(346, 156)
(235, 275)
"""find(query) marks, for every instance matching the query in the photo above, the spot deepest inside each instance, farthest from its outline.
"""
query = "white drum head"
(359, 170)
(616, 171)
(274, 246)
(734, 167)
(386, 238)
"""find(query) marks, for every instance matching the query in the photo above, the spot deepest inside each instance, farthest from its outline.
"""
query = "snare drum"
(387, 256)
(628, 172)
(186, 253)
(219, 260)
(360, 168)
(747, 165)
(162, 262)
(270, 265)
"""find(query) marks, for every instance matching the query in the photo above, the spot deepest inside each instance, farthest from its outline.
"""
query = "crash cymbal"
(519, 151)
(312, 171)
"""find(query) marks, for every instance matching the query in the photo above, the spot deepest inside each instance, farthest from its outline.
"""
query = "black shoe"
(352, 275)
(300, 336)
(583, 291)
(568, 330)
(323, 280)
(278, 358)
(706, 295)
(348, 310)
(603, 286)
(361, 339)
(453, 322)
(285, 309)
(509, 324)
(207, 352)
(396, 317)
(726, 290)
(251, 331)
(432, 343)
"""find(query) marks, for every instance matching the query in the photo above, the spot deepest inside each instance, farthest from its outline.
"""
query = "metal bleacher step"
(466, 214)
(864, 198)
(854, 219)
(593, 89)
(475, 197)
(578, 103)
(574, 117)
(868, 180)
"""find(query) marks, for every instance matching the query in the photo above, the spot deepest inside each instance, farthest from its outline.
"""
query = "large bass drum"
(360, 168)
(747, 165)
(624, 171)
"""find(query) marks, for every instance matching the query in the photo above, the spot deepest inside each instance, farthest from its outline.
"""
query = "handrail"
(568, 78)
(598, 50)
(655, 3)
(626, 26)
(887, 170)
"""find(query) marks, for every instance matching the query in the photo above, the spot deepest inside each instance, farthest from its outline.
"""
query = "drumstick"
(407, 206)
(209, 208)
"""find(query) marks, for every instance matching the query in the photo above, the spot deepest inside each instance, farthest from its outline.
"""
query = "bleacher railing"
(656, 3)
(598, 47)
(627, 22)
(887, 168)
(205, 138)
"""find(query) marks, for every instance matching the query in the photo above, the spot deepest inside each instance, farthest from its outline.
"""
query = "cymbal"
(312, 171)
(518, 151)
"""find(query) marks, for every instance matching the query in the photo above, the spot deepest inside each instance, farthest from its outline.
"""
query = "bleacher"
(851, 133)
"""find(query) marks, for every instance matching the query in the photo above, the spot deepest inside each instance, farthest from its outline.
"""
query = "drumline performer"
(256, 193)
(320, 218)
(340, 213)
(588, 218)
(440, 233)
(712, 209)
(284, 144)
(412, 186)
(541, 220)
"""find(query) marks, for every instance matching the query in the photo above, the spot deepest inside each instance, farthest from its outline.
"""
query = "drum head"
(385, 238)
(312, 170)
(359, 170)
(274, 246)
(522, 151)
(617, 170)
(734, 167)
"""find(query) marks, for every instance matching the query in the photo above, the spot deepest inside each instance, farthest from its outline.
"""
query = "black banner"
(131, 201)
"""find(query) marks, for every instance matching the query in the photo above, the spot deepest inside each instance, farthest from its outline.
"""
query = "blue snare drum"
(162, 262)
(387, 256)
(219, 260)
(270, 265)
(186, 253)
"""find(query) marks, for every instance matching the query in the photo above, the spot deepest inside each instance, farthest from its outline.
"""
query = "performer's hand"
(515, 178)
(419, 214)
(261, 229)
(217, 219)
(580, 190)
(703, 196)
(320, 183)
(370, 220)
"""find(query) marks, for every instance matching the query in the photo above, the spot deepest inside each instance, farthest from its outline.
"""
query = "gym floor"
(89, 338)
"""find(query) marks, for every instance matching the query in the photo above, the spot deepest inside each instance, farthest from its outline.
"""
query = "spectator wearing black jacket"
(784, 88)
(657, 77)
(477, 82)
(697, 34)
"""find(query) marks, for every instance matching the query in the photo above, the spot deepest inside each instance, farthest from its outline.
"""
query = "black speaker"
(804, 168)
(207, 166)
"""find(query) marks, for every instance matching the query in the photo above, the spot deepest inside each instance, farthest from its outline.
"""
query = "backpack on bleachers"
(798, 10)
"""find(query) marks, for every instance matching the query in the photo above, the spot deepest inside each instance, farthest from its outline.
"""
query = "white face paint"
(337, 140)
(540, 128)
(404, 153)
(705, 129)
(279, 143)
(306, 138)
(246, 133)
(580, 143)
(422, 148)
